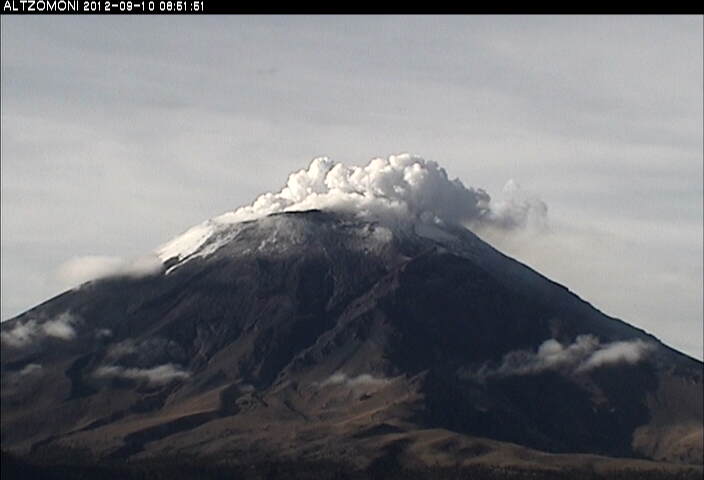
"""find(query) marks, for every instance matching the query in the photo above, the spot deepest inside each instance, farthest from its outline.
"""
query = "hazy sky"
(120, 132)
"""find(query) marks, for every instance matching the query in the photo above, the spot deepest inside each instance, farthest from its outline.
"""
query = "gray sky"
(120, 132)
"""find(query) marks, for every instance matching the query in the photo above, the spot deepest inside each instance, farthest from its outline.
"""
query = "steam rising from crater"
(400, 188)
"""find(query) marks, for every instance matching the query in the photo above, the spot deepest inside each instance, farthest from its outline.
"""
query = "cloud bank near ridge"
(159, 375)
(362, 380)
(79, 270)
(62, 327)
(584, 354)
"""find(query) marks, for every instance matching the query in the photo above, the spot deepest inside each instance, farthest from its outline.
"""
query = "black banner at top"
(54, 7)
(200, 7)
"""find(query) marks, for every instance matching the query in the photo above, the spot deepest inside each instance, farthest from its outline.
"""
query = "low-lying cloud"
(158, 375)
(155, 361)
(103, 333)
(30, 373)
(83, 269)
(584, 354)
(617, 352)
(145, 353)
(31, 369)
(365, 379)
(62, 327)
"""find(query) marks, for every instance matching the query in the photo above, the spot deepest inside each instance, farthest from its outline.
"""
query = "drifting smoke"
(82, 269)
(401, 188)
(586, 353)
(24, 333)
(159, 375)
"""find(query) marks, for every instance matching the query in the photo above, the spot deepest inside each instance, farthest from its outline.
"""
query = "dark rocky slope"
(318, 337)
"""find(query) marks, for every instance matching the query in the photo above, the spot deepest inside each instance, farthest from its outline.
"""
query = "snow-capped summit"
(400, 189)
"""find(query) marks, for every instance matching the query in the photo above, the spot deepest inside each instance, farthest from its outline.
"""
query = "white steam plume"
(516, 210)
(399, 188)
(401, 185)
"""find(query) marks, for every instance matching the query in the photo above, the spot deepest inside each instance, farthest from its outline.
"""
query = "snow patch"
(187, 243)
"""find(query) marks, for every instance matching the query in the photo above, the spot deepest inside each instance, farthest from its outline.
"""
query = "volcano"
(359, 343)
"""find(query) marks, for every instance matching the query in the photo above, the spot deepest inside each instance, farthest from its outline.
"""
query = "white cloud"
(584, 354)
(21, 334)
(103, 333)
(158, 375)
(82, 269)
(31, 369)
(365, 379)
(29, 373)
(617, 352)
(145, 353)
(121, 349)
(61, 327)
(29, 331)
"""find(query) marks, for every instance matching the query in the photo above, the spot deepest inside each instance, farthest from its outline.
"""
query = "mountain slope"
(318, 336)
